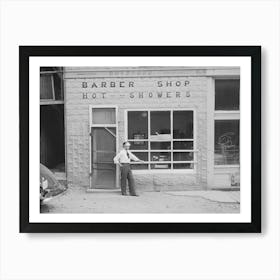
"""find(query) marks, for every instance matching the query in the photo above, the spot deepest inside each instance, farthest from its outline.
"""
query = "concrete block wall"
(79, 98)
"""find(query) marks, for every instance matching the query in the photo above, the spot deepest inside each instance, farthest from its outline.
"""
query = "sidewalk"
(212, 195)
(78, 200)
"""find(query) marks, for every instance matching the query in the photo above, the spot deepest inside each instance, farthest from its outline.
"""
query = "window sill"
(227, 166)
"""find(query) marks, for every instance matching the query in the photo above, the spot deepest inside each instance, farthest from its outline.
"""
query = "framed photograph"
(140, 139)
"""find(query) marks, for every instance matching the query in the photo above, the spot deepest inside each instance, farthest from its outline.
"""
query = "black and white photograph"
(140, 139)
(133, 135)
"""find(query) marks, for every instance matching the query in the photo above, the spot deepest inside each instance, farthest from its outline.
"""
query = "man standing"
(123, 159)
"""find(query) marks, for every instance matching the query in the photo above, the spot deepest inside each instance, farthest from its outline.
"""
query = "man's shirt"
(125, 156)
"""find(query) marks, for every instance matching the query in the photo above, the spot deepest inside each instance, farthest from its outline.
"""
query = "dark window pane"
(160, 156)
(226, 142)
(183, 166)
(183, 145)
(47, 69)
(139, 145)
(46, 87)
(182, 124)
(139, 166)
(103, 116)
(182, 156)
(160, 145)
(142, 156)
(227, 94)
(161, 166)
(160, 125)
(138, 125)
(58, 86)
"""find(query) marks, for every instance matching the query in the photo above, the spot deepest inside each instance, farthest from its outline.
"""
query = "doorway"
(52, 146)
(103, 145)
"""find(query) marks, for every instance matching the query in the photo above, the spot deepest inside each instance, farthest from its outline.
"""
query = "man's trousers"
(126, 175)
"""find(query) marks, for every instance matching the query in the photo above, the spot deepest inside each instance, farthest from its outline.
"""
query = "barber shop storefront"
(182, 122)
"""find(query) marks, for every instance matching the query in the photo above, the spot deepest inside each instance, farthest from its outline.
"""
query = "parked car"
(49, 185)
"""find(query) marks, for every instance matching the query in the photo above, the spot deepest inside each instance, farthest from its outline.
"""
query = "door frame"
(103, 125)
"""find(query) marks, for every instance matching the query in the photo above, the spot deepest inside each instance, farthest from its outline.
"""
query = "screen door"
(103, 148)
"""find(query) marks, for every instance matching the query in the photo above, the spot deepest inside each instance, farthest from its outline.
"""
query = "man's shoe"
(136, 194)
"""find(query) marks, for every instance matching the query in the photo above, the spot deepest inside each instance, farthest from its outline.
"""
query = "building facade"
(182, 121)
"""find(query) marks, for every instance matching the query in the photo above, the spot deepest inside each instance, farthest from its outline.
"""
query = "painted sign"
(136, 89)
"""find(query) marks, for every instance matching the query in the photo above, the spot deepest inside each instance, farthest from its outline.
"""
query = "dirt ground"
(78, 200)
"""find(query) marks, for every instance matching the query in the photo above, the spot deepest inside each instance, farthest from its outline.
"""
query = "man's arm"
(117, 159)
(134, 157)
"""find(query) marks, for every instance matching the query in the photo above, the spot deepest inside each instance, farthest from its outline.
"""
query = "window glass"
(164, 152)
(160, 125)
(183, 156)
(160, 156)
(161, 166)
(226, 142)
(182, 145)
(103, 116)
(160, 145)
(142, 156)
(227, 94)
(46, 87)
(138, 145)
(138, 125)
(139, 166)
(183, 166)
(182, 124)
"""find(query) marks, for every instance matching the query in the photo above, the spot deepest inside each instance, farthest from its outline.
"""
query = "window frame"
(226, 115)
(149, 140)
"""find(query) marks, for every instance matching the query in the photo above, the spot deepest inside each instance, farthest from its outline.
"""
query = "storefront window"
(161, 143)
(227, 121)
(227, 94)
(226, 142)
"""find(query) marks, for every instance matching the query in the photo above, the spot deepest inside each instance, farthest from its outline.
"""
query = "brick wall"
(85, 88)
